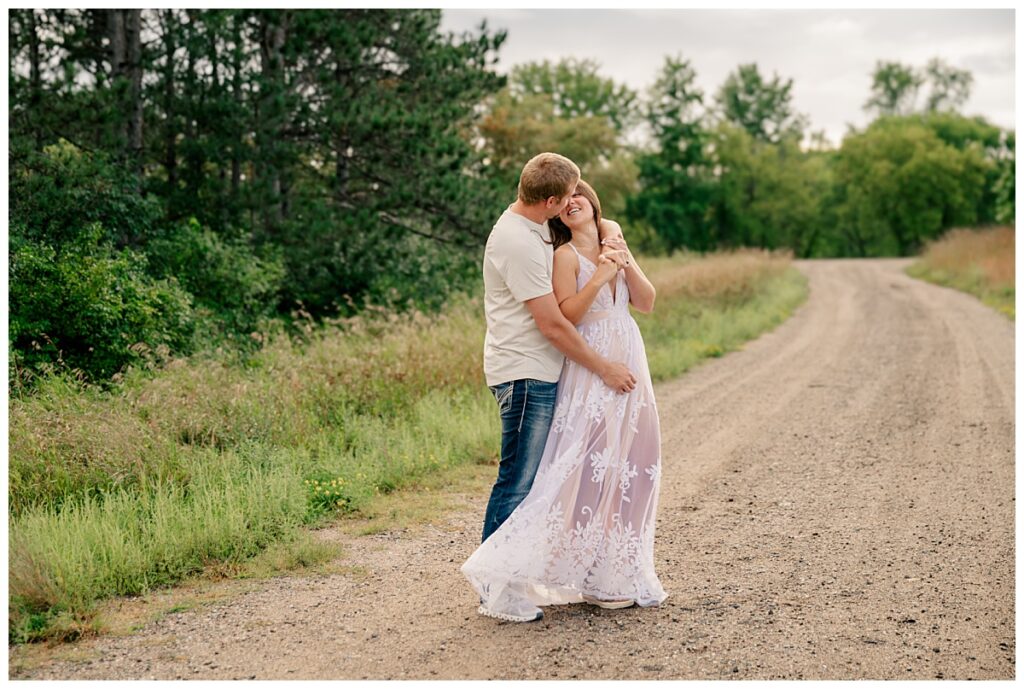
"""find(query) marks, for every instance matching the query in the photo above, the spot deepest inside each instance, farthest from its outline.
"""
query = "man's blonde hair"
(546, 175)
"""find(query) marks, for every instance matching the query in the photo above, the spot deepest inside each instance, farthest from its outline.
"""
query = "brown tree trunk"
(115, 34)
(171, 132)
(125, 53)
(341, 145)
(236, 92)
(273, 30)
(192, 168)
(133, 26)
(35, 79)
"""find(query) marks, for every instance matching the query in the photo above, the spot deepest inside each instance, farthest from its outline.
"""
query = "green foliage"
(676, 178)
(950, 87)
(224, 276)
(895, 86)
(963, 132)
(423, 276)
(993, 144)
(763, 108)
(569, 108)
(387, 157)
(899, 184)
(59, 195)
(770, 196)
(334, 169)
(82, 292)
(1004, 189)
(644, 239)
(88, 307)
(576, 89)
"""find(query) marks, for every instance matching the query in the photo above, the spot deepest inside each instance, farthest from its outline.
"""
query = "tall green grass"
(208, 460)
(979, 262)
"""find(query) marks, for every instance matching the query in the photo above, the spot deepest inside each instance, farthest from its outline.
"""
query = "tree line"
(186, 179)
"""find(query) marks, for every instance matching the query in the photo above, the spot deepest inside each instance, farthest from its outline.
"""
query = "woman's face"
(578, 212)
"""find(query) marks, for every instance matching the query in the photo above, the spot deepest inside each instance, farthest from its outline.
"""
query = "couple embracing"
(571, 516)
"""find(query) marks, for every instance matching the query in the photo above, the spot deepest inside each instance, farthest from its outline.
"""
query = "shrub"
(90, 308)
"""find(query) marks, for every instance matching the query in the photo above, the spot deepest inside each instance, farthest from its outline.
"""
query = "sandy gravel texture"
(837, 502)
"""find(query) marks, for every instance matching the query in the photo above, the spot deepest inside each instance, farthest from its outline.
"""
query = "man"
(527, 335)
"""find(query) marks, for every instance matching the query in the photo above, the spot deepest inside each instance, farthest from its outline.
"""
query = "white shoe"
(609, 604)
(511, 607)
(529, 616)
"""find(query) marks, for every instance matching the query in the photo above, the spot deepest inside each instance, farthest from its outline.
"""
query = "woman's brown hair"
(560, 232)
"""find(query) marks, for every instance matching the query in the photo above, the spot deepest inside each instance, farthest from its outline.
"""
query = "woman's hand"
(607, 268)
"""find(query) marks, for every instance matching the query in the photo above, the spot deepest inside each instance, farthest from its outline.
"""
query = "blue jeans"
(526, 407)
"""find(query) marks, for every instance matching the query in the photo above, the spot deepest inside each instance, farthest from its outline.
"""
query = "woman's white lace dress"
(587, 524)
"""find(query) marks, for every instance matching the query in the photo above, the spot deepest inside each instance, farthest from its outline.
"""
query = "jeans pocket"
(541, 387)
(503, 394)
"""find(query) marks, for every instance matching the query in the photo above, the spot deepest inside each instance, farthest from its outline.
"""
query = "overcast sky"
(829, 54)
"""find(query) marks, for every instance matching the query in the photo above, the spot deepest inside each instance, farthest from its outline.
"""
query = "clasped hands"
(614, 256)
(616, 249)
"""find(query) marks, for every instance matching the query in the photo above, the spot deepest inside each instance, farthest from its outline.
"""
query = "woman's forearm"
(641, 291)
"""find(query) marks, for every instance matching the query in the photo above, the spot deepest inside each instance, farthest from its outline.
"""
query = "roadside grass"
(208, 468)
(715, 304)
(979, 262)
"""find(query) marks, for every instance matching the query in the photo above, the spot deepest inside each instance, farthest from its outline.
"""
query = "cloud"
(988, 63)
(835, 27)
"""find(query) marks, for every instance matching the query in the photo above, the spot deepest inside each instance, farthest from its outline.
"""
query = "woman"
(585, 532)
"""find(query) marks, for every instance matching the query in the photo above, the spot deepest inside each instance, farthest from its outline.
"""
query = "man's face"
(557, 205)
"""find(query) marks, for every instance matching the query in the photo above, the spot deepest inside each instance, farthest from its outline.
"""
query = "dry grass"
(726, 276)
(981, 262)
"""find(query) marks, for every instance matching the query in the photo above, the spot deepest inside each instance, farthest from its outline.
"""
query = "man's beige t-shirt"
(517, 268)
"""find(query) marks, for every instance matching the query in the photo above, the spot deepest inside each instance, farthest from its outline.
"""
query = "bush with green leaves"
(59, 194)
(233, 288)
(899, 184)
(87, 306)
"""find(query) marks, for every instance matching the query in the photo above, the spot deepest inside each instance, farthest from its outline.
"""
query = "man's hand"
(616, 247)
(618, 378)
(561, 333)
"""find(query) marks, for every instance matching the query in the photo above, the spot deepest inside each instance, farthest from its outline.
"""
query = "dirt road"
(837, 502)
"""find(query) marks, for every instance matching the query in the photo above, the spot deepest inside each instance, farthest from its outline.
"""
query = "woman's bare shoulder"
(564, 255)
